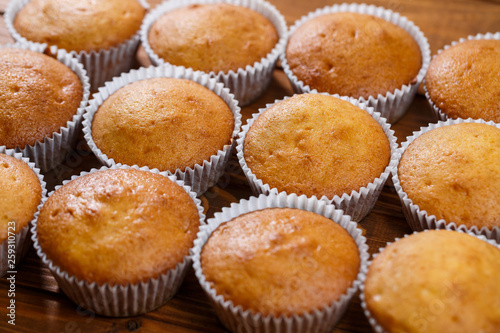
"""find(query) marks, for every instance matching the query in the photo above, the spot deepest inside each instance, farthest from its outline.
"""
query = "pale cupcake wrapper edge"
(248, 83)
(393, 104)
(440, 115)
(236, 318)
(373, 322)
(50, 152)
(23, 240)
(357, 204)
(419, 219)
(101, 65)
(202, 176)
(118, 300)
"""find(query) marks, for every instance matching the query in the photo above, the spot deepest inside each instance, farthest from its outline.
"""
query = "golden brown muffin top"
(162, 123)
(316, 145)
(20, 194)
(435, 281)
(353, 54)
(80, 25)
(212, 37)
(453, 172)
(280, 261)
(38, 96)
(118, 226)
(464, 80)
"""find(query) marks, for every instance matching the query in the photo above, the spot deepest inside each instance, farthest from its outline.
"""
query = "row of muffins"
(185, 34)
(327, 50)
(344, 19)
(97, 291)
(272, 263)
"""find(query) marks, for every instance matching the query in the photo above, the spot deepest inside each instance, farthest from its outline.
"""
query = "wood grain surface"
(42, 307)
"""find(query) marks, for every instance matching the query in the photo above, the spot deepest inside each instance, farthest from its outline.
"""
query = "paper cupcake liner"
(419, 219)
(374, 324)
(202, 176)
(23, 240)
(102, 65)
(50, 152)
(235, 318)
(440, 115)
(357, 204)
(118, 300)
(392, 105)
(248, 83)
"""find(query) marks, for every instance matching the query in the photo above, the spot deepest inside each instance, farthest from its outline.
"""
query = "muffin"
(38, 96)
(212, 37)
(317, 145)
(364, 52)
(234, 42)
(435, 281)
(162, 123)
(22, 191)
(173, 119)
(463, 80)
(353, 54)
(291, 261)
(452, 173)
(280, 263)
(103, 34)
(80, 25)
(109, 213)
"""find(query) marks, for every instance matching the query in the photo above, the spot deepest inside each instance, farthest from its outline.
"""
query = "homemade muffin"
(453, 172)
(118, 226)
(280, 261)
(20, 194)
(353, 54)
(435, 281)
(38, 96)
(316, 145)
(464, 80)
(162, 123)
(212, 37)
(80, 25)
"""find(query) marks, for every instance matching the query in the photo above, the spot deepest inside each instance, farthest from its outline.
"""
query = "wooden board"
(42, 307)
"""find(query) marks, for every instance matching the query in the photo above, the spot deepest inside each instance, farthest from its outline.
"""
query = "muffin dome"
(212, 37)
(452, 172)
(352, 54)
(38, 96)
(118, 226)
(20, 194)
(80, 25)
(162, 123)
(435, 281)
(280, 261)
(316, 144)
(463, 81)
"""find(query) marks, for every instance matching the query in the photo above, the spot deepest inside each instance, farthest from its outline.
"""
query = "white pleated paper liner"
(374, 324)
(235, 318)
(419, 219)
(202, 176)
(101, 65)
(118, 300)
(393, 104)
(248, 83)
(357, 204)
(50, 152)
(22, 238)
(440, 115)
